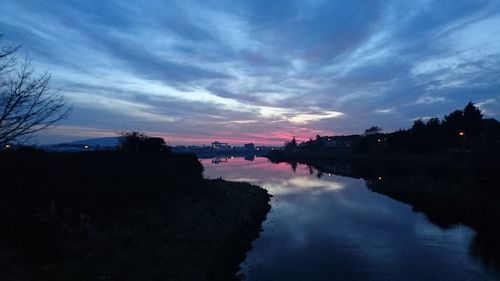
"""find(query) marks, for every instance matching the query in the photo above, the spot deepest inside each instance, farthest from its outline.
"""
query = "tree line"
(461, 130)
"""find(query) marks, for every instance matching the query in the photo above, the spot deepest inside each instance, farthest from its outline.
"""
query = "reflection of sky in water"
(334, 228)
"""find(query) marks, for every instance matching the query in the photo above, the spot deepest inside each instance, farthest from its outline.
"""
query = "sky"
(258, 71)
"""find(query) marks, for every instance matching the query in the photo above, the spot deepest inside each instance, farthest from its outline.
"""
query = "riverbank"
(112, 215)
(450, 189)
(349, 156)
(477, 170)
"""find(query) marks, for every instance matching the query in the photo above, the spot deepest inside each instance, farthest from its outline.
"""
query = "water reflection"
(219, 159)
(328, 227)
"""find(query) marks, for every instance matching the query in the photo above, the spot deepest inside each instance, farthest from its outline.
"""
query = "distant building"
(249, 146)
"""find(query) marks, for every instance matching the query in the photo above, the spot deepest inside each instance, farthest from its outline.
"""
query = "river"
(329, 227)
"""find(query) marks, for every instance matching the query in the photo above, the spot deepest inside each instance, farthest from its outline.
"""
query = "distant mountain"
(86, 144)
(102, 142)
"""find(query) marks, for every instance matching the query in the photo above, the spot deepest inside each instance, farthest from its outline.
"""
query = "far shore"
(449, 188)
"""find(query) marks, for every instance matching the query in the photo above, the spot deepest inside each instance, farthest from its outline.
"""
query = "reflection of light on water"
(338, 219)
(308, 182)
(304, 184)
(245, 179)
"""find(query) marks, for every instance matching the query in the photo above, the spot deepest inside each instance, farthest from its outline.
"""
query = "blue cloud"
(250, 67)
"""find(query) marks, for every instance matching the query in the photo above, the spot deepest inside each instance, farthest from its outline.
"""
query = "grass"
(119, 216)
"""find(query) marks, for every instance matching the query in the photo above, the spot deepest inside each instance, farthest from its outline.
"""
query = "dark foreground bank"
(122, 216)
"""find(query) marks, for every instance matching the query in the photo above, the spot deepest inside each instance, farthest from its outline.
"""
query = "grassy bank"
(449, 188)
(122, 216)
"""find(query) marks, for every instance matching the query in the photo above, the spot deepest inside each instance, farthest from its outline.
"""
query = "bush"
(138, 142)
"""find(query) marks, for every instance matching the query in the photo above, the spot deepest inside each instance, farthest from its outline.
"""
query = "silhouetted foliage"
(434, 135)
(472, 119)
(373, 130)
(453, 123)
(418, 125)
(121, 216)
(138, 142)
(291, 145)
(433, 123)
(367, 143)
(461, 130)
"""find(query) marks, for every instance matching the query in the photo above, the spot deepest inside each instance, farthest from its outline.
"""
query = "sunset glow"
(195, 72)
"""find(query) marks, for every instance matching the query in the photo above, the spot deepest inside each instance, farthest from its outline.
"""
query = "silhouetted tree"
(398, 141)
(152, 144)
(433, 123)
(425, 137)
(370, 143)
(418, 125)
(452, 125)
(129, 141)
(138, 142)
(27, 103)
(291, 144)
(472, 119)
(373, 130)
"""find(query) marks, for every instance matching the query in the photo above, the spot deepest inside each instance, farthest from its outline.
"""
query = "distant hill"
(102, 142)
(86, 144)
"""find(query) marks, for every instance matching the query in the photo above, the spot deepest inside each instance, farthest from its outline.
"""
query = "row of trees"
(462, 129)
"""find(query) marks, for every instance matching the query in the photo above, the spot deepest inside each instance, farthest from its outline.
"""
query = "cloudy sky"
(261, 71)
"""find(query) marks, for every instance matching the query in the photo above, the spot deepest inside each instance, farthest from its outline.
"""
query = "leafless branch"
(27, 103)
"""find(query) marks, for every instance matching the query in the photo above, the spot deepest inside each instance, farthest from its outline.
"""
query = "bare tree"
(27, 103)
(7, 60)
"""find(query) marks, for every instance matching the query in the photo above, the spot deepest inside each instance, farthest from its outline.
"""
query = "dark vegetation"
(142, 213)
(463, 139)
(138, 142)
(460, 131)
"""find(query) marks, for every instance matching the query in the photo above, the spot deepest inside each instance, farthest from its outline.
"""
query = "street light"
(461, 135)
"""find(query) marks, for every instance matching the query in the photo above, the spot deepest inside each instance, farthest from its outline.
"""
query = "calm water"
(334, 228)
